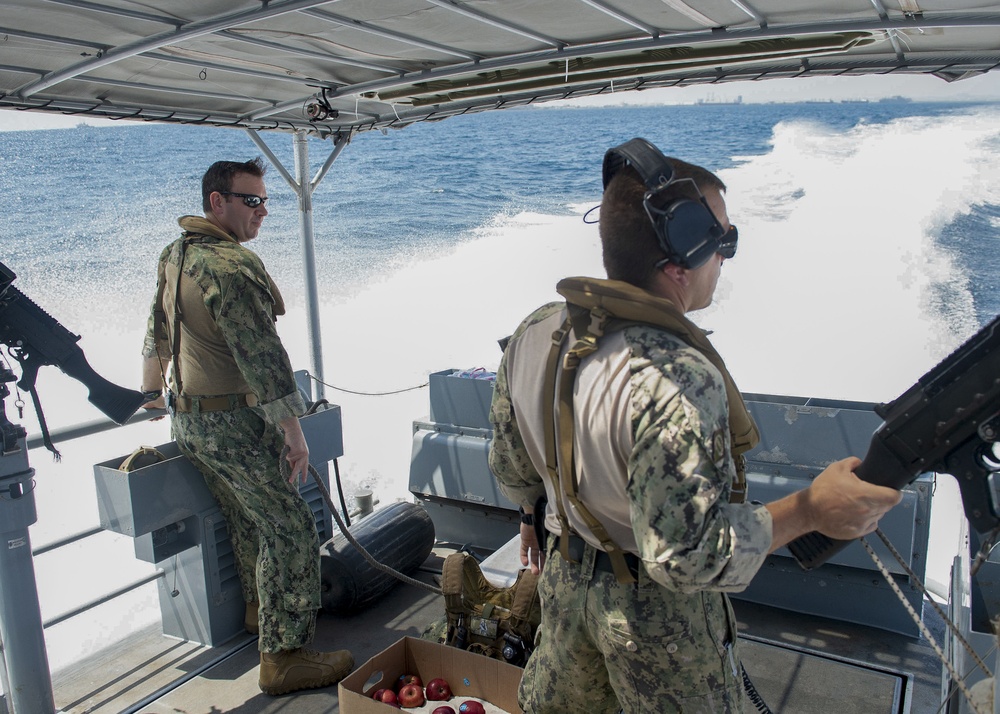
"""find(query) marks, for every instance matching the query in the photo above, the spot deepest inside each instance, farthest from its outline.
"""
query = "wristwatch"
(151, 394)
(527, 519)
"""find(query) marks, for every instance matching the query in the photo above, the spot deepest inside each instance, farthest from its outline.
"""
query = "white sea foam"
(833, 295)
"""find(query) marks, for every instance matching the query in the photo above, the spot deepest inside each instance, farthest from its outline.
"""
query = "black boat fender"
(399, 536)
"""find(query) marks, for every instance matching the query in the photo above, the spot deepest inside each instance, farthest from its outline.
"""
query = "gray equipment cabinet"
(176, 524)
(449, 471)
(799, 438)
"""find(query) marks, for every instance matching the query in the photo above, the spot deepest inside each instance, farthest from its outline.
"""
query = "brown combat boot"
(292, 670)
(251, 619)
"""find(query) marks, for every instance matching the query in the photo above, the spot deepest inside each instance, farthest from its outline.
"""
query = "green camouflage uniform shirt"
(653, 463)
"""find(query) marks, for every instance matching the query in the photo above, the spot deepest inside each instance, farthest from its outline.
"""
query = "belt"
(225, 403)
(602, 561)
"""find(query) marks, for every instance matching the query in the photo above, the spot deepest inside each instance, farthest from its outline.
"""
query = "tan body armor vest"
(596, 307)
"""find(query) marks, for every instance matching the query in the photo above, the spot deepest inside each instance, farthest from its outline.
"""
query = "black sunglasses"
(727, 243)
(250, 199)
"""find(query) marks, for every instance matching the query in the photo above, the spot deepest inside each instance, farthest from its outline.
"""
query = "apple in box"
(386, 696)
(410, 696)
(405, 679)
(444, 709)
(438, 690)
(470, 706)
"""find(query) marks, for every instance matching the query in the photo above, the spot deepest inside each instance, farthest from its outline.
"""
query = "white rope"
(958, 680)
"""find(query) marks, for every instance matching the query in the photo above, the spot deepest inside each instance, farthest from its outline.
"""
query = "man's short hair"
(219, 177)
(630, 247)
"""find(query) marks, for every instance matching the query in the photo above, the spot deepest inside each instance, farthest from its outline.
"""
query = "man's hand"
(843, 506)
(152, 380)
(838, 504)
(157, 403)
(531, 554)
(298, 450)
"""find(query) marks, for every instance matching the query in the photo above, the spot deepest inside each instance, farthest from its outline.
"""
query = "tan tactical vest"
(596, 307)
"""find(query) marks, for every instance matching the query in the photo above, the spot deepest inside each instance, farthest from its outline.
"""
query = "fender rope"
(347, 534)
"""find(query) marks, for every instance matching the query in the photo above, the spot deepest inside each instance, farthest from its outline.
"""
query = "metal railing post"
(20, 615)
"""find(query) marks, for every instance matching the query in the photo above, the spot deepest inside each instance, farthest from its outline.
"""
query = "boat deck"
(798, 663)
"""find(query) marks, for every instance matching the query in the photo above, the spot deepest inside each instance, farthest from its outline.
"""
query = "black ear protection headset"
(687, 230)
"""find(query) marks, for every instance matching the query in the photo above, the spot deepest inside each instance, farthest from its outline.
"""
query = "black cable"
(340, 491)
(752, 694)
(368, 394)
(313, 408)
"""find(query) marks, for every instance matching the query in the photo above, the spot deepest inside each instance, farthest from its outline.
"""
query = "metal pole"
(303, 188)
(21, 630)
(308, 242)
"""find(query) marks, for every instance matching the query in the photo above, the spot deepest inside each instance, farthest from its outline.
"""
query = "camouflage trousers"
(604, 647)
(270, 526)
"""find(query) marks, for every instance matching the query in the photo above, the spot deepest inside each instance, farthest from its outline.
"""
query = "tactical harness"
(176, 402)
(595, 308)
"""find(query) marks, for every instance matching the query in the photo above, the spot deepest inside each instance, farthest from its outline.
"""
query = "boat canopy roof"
(336, 67)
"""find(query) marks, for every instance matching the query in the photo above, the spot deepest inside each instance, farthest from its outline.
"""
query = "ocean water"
(869, 250)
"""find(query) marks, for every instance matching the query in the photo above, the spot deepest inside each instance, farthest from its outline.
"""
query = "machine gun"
(34, 339)
(949, 422)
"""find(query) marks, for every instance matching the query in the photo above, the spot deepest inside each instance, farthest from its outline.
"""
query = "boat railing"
(22, 632)
(69, 433)
(165, 508)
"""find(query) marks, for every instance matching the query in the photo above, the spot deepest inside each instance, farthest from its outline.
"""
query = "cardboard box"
(470, 675)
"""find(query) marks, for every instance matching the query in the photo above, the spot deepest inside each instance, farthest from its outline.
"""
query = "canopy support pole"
(304, 187)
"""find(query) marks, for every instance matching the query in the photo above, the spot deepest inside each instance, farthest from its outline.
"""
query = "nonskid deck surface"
(805, 664)
(799, 664)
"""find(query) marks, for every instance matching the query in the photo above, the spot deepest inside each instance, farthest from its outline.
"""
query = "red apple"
(405, 679)
(438, 690)
(443, 709)
(386, 696)
(470, 706)
(411, 695)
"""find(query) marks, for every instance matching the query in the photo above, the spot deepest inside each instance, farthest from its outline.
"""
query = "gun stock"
(946, 422)
(37, 339)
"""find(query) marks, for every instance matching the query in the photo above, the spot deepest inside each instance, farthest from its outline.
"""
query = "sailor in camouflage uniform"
(655, 419)
(235, 407)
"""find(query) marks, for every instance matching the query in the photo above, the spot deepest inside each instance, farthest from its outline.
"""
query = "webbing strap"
(159, 314)
(548, 419)
(159, 319)
(175, 343)
(585, 345)
(160, 323)
(739, 492)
